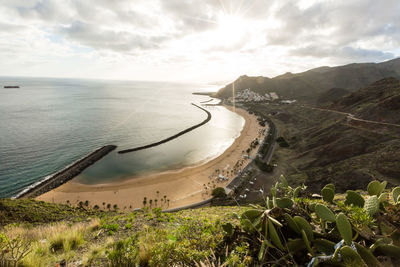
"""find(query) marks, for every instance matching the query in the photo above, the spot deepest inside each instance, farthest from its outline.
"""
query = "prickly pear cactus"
(331, 186)
(284, 202)
(354, 198)
(351, 257)
(304, 225)
(373, 188)
(376, 188)
(384, 197)
(344, 228)
(371, 205)
(327, 194)
(388, 250)
(324, 213)
(396, 194)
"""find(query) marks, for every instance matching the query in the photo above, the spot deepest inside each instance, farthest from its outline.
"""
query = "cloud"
(173, 34)
(106, 38)
(346, 52)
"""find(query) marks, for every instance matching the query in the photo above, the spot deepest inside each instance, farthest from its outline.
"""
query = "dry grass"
(53, 243)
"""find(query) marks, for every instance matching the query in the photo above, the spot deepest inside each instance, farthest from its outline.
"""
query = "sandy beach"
(167, 189)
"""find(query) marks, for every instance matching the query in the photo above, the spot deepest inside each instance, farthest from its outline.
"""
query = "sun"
(230, 27)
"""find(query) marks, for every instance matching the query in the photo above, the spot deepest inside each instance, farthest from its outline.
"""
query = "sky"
(192, 40)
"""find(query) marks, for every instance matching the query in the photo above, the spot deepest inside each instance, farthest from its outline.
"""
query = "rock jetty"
(66, 174)
(171, 137)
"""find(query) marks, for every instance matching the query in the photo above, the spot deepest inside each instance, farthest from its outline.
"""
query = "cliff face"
(308, 86)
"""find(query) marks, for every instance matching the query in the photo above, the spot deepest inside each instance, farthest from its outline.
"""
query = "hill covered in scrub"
(289, 227)
(327, 144)
(310, 85)
(379, 101)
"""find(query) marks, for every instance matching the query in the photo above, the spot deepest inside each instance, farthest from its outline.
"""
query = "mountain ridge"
(307, 86)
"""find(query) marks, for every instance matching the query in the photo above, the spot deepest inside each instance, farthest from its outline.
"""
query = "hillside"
(331, 95)
(328, 145)
(378, 102)
(309, 85)
(291, 228)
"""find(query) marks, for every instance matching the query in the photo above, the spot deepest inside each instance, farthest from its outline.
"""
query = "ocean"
(49, 123)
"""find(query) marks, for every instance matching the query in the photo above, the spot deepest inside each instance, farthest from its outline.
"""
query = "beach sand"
(181, 187)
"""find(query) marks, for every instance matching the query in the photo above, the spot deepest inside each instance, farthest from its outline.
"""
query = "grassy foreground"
(292, 228)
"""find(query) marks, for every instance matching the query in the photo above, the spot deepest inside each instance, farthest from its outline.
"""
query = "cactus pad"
(351, 257)
(354, 198)
(371, 205)
(304, 225)
(396, 194)
(284, 202)
(344, 228)
(327, 194)
(324, 213)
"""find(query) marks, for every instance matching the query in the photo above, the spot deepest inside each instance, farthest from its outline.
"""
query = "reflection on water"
(49, 123)
(208, 141)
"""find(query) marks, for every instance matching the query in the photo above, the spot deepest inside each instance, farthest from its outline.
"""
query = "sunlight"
(231, 27)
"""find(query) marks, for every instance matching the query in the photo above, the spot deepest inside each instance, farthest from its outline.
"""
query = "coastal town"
(247, 95)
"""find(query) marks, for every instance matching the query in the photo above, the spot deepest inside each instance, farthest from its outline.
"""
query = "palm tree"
(151, 202)
(108, 206)
(155, 201)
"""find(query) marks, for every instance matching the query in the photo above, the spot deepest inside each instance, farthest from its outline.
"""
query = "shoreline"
(171, 188)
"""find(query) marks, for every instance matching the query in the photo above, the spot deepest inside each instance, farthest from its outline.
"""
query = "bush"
(264, 166)
(282, 142)
(218, 192)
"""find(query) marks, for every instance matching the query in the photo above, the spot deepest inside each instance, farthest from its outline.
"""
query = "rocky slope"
(328, 145)
(379, 102)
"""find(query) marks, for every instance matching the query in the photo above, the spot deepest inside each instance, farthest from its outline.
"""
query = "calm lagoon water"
(50, 123)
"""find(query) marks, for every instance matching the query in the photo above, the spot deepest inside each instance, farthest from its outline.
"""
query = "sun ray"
(223, 6)
(250, 6)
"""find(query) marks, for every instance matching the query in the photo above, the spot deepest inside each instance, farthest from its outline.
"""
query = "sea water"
(48, 124)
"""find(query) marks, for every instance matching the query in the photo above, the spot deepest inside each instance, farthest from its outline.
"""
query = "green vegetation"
(358, 228)
(146, 238)
(326, 232)
(282, 142)
(30, 211)
(264, 166)
(218, 192)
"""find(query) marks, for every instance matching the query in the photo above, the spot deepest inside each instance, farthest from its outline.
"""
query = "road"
(351, 116)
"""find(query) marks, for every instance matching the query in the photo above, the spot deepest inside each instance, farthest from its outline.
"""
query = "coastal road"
(271, 149)
(351, 116)
(236, 181)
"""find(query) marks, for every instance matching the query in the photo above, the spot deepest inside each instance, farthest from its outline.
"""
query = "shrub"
(282, 142)
(218, 192)
(264, 166)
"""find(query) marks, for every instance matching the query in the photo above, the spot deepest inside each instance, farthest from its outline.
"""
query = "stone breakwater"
(55, 180)
(171, 137)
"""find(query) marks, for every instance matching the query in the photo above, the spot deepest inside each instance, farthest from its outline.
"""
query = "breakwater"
(55, 180)
(171, 137)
